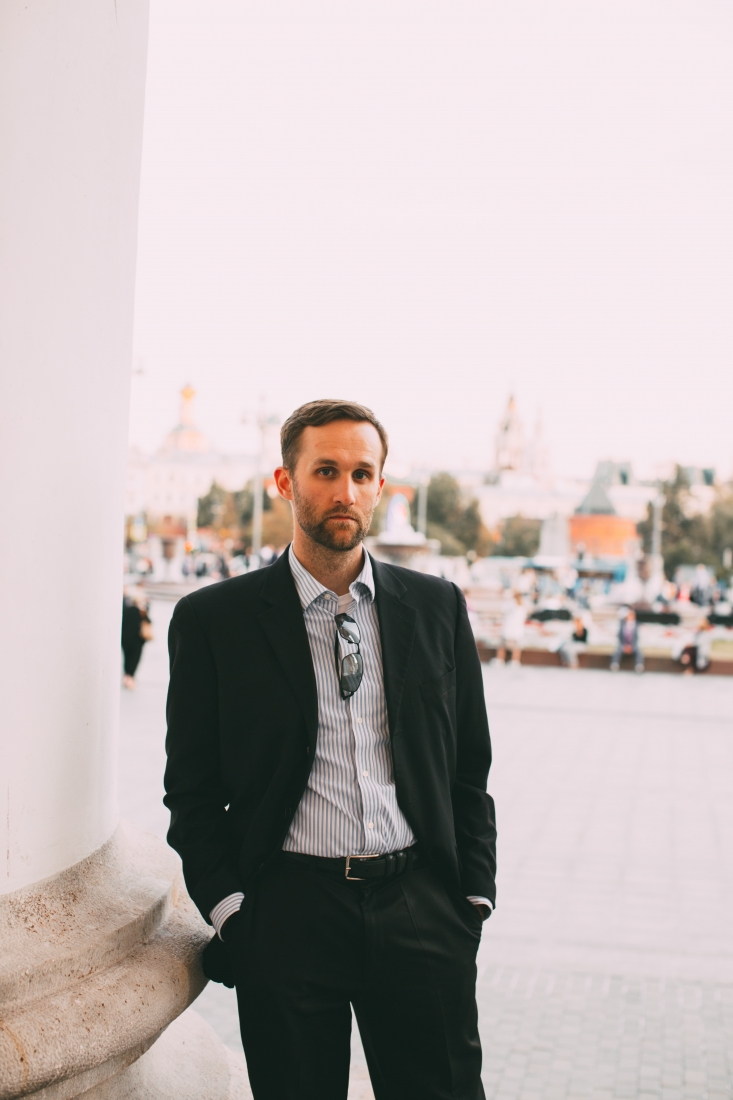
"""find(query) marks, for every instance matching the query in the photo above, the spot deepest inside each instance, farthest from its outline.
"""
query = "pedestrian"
(575, 644)
(695, 656)
(328, 754)
(628, 642)
(136, 631)
(512, 631)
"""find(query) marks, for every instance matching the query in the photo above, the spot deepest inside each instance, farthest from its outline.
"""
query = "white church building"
(164, 488)
(522, 483)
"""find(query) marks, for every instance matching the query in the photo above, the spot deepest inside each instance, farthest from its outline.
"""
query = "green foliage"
(211, 507)
(444, 501)
(453, 520)
(467, 526)
(689, 538)
(220, 508)
(720, 529)
(244, 505)
(449, 544)
(520, 538)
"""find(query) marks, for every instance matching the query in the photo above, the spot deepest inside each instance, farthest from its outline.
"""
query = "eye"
(326, 471)
(361, 475)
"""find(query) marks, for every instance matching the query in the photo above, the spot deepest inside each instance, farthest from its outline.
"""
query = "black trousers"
(307, 945)
(132, 652)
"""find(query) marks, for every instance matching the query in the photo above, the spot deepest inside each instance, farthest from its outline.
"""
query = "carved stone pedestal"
(95, 964)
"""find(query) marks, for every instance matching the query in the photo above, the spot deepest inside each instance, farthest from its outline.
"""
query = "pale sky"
(426, 206)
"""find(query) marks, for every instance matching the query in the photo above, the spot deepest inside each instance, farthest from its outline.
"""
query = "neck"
(334, 569)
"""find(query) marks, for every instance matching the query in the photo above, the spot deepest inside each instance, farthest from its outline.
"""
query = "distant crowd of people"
(691, 648)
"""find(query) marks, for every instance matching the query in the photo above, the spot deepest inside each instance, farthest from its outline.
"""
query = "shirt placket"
(360, 731)
(330, 602)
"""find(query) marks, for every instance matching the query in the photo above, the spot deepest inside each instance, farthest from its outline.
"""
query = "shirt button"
(370, 824)
(365, 773)
(360, 720)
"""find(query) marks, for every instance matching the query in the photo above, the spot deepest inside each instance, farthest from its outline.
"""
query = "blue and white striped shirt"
(350, 803)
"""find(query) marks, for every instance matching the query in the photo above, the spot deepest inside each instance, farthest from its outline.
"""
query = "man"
(328, 753)
(575, 644)
(628, 642)
(512, 631)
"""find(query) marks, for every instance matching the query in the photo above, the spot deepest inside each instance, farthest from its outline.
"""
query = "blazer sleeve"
(195, 793)
(473, 808)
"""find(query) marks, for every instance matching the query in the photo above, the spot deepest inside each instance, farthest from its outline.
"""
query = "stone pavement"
(607, 969)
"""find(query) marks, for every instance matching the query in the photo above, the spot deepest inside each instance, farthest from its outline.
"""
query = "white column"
(72, 79)
(99, 944)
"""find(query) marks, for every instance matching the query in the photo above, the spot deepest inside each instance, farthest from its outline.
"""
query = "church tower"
(186, 436)
(510, 440)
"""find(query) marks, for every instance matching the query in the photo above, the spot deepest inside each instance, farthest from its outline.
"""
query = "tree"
(467, 525)
(687, 537)
(720, 526)
(277, 523)
(211, 507)
(449, 544)
(220, 508)
(244, 504)
(452, 519)
(444, 500)
(519, 538)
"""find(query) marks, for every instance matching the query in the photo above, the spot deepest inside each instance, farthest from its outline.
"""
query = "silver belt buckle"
(355, 878)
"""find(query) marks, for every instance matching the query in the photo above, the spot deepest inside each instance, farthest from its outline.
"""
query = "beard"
(339, 535)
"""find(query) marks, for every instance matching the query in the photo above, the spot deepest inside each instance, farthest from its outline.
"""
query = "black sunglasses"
(350, 668)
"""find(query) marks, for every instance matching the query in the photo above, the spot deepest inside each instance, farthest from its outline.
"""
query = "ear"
(284, 482)
(379, 491)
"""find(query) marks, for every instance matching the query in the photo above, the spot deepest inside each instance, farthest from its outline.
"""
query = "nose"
(344, 491)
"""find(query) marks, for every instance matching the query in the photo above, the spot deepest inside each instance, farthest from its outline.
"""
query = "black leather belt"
(359, 868)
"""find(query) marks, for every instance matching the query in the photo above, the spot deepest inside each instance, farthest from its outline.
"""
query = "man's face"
(336, 484)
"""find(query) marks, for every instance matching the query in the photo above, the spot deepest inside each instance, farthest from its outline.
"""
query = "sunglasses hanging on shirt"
(350, 668)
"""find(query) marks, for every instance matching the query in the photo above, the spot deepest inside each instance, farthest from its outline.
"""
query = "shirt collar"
(309, 589)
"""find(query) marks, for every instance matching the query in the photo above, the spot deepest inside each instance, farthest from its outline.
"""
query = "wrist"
(221, 912)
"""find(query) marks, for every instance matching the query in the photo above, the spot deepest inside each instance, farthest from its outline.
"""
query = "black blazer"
(243, 720)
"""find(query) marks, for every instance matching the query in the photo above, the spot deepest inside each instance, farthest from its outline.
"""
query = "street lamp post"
(257, 490)
(263, 422)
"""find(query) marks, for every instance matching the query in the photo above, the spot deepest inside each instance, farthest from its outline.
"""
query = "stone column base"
(188, 1062)
(95, 964)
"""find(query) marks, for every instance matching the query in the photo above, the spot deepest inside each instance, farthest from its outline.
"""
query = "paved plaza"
(607, 969)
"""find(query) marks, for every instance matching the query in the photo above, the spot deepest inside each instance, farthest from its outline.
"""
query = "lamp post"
(655, 584)
(262, 422)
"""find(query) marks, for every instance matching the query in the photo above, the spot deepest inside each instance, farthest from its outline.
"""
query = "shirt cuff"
(224, 910)
(476, 900)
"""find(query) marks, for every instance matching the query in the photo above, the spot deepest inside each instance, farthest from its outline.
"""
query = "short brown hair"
(316, 413)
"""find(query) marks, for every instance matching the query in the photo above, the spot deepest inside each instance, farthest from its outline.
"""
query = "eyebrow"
(364, 465)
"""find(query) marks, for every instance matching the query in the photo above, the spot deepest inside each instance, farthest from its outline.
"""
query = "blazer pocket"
(440, 686)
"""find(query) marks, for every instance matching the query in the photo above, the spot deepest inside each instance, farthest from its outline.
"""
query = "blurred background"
(508, 230)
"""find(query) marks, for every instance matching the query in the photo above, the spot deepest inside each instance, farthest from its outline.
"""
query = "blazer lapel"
(397, 632)
(284, 625)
